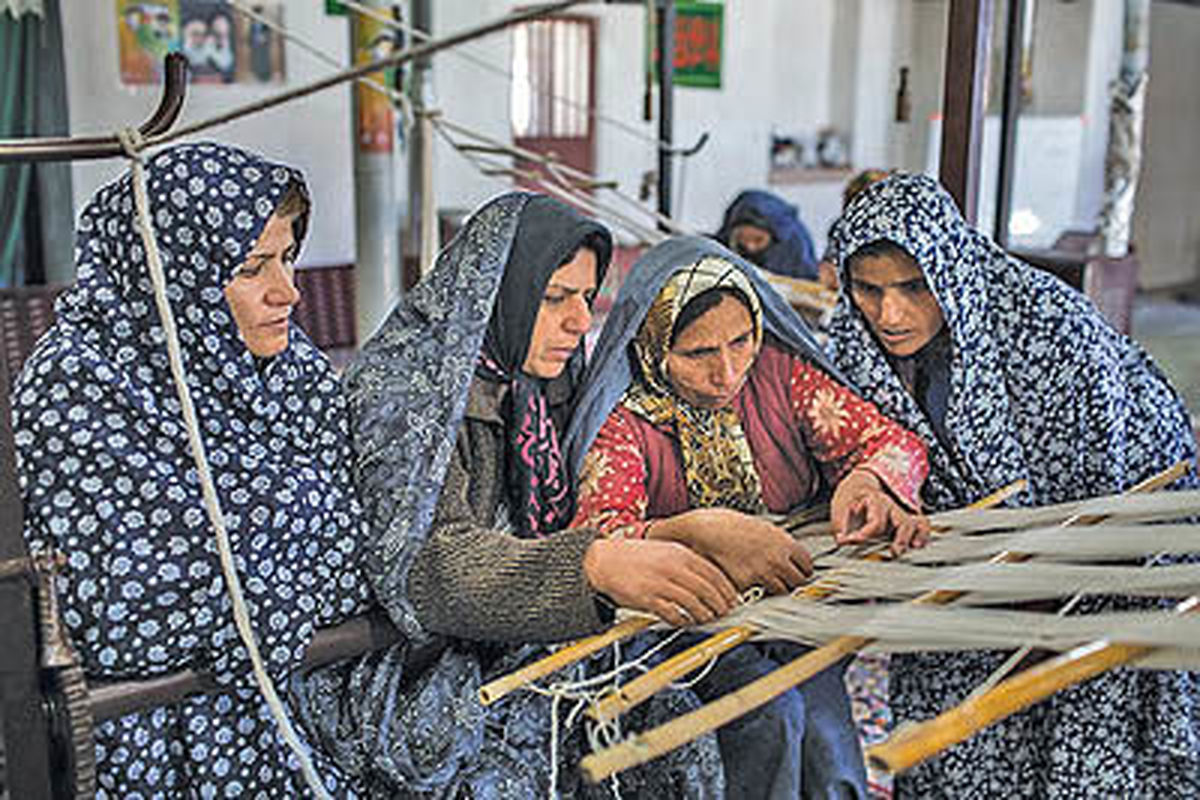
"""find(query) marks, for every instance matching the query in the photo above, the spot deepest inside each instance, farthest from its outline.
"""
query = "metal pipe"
(376, 232)
(76, 148)
(665, 35)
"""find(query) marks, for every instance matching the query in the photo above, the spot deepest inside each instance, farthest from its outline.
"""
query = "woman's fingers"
(800, 556)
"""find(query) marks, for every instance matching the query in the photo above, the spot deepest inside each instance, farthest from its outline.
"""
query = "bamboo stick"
(645, 746)
(914, 743)
(561, 659)
(491, 692)
(684, 663)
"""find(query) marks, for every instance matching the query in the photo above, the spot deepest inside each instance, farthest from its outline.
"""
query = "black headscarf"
(548, 235)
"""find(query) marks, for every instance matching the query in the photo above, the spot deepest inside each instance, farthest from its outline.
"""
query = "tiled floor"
(1170, 331)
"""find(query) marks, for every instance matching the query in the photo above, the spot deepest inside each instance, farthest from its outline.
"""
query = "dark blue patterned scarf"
(1041, 386)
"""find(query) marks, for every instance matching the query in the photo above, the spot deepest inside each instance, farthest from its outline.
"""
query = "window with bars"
(551, 99)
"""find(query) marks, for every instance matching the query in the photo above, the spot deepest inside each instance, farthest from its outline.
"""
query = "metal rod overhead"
(64, 148)
(1010, 112)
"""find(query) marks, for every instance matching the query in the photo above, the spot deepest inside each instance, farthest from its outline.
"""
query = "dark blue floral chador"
(1035, 385)
(108, 479)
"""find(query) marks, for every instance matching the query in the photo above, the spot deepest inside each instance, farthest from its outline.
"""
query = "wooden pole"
(915, 743)
(964, 90)
(643, 747)
(491, 692)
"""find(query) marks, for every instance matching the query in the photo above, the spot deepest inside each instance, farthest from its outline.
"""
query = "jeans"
(801, 744)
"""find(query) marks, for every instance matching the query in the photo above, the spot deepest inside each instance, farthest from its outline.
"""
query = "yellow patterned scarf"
(717, 464)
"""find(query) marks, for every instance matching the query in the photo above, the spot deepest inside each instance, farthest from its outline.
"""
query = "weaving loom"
(944, 597)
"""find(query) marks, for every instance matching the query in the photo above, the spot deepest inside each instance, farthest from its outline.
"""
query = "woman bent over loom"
(457, 402)
(1009, 374)
(707, 405)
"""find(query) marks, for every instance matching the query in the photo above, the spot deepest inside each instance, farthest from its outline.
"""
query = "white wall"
(769, 81)
(313, 134)
(788, 65)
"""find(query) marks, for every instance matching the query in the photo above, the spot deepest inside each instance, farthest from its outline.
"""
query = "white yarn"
(131, 140)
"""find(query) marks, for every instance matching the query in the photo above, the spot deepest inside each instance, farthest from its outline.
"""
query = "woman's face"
(749, 239)
(564, 316)
(262, 291)
(711, 357)
(892, 294)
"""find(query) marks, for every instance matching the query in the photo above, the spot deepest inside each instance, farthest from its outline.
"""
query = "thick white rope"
(132, 141)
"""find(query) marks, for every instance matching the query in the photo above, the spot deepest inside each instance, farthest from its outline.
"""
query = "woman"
(1008, 374)
(458, 401)
(707, 405)
(766, 230)
(108, 477)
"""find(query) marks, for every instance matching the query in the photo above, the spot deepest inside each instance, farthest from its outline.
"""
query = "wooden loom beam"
(914, 743)
(650, 744)
(645, 686)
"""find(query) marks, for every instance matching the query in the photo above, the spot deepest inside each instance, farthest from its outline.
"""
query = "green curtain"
(19, 234)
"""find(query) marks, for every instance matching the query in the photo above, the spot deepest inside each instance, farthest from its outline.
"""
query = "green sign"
(698, 33)
(698, 28)
(334, 7)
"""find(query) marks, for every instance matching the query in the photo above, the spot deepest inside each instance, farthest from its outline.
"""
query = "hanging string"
(400, 99)
(133, 143)
(585, 108)
(567, 180)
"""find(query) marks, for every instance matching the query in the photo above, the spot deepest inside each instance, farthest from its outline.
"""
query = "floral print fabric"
(1041, 388)
(841, 432)
(717, 461)
(108, 479)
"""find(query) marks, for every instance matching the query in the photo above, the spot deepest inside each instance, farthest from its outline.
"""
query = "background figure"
(827, 268)
(1009, 374)
(766, 230)
(108, 477)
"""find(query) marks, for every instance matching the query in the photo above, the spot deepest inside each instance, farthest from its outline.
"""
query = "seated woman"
(766, 230)
(458, 401)
(708, 404)
(1010, 374)
(108, 477)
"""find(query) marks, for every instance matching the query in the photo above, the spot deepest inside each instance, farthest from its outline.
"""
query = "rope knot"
(132, 142)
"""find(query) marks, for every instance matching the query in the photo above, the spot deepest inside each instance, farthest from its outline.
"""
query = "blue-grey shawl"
(610, 372)
(407, 725)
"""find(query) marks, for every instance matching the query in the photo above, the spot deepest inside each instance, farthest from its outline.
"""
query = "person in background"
(827, 267)
(766, 230)
(1009, 374)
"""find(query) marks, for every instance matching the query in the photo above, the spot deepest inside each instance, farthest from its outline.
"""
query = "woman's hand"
(661, 578)
(750, 550)
(862, 509)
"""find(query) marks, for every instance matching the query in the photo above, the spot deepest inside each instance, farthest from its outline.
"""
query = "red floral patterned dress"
(805, 432)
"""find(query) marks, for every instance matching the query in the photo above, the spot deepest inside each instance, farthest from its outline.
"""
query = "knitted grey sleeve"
(472, 581)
